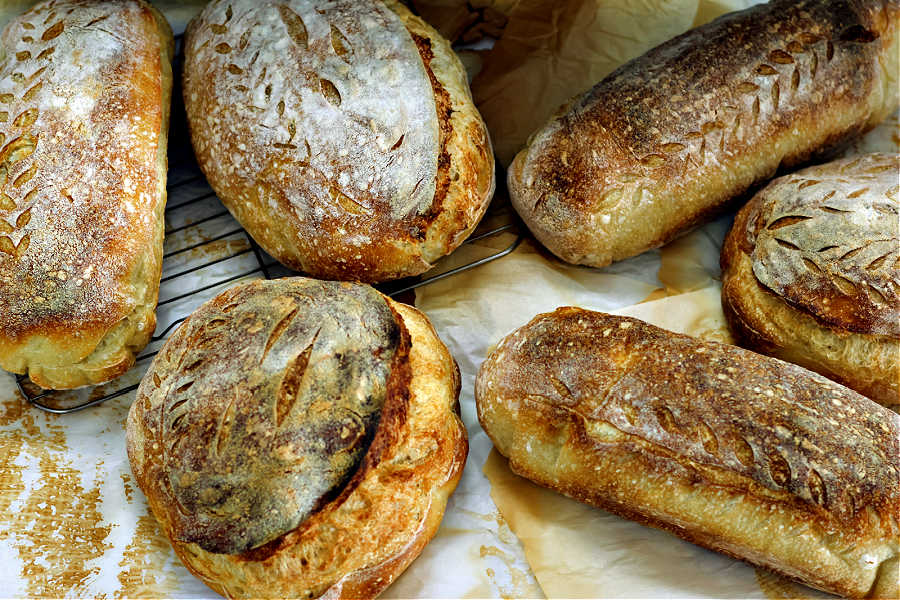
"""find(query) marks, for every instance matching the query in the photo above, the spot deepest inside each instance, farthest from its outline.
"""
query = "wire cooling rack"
(206, 251)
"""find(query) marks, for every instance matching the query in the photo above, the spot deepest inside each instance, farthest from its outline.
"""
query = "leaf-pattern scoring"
(317, 56)
(829, 243)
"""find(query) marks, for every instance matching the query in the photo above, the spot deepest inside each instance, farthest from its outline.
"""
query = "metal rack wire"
(206, 250)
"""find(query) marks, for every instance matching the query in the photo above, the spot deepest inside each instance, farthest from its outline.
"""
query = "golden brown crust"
(737, 452)
(371, 526)
(671, 136)
(84, 120)
(810, 273)
(371, 165)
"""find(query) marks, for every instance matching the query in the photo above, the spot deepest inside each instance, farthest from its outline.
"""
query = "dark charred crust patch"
(393, 416)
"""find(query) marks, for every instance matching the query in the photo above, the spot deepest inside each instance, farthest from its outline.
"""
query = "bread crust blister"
(669, 138)
(737, 452)
(299, 438)
(810, 273)
(84, 114)
(350, 148)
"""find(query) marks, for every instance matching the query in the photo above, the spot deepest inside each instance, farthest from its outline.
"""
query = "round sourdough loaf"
(811, 274)
(299, 438)
(342, 135)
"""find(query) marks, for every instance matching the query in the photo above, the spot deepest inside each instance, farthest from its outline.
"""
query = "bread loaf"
(810, 273)
(342, 135)
(85, 88)
(740, 453)
(669, 138)
(298, 438)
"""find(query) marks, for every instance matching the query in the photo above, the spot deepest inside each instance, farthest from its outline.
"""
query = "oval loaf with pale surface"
(669, 138)
(299, 438)
(811, 273)
(342, 135)
(85, 88)
(740, 453)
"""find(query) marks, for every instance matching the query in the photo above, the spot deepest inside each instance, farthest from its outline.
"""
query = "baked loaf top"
(825, 239)
(342, 134)
(672, 135)
(82, 173)
(296, 438)
(732, 417)
(262, 406)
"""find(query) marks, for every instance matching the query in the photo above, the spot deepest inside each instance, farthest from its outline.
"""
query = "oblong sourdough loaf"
(670, 137)
(811, 273)
(299, 438)
(740, 453)
(85, 88)
(342, 135)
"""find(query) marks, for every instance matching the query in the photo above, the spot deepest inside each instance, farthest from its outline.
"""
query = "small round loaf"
(342, 135)
(811, 273)
(299, 439)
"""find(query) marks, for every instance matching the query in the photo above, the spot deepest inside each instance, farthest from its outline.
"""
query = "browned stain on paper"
(520, 585)
(59, 532)
(11, 484)
(143, 573)
(657, 294)
(55, 526)
(19, 433)
(126, 485)
(776, 587)
(681, 265)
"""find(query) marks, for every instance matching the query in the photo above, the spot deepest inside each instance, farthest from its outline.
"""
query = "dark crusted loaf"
(737, 452)
(298, 438)
(670, 137)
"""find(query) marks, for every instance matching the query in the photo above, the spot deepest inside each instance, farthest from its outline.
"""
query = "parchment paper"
(73, 523)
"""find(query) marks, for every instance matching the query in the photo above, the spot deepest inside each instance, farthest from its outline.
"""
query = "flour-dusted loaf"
(811, 273)
(299, 438)
(85, 88)
(740, 453)
(342, 135)
(669, 138)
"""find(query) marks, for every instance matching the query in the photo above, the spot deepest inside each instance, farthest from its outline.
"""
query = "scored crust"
(84, 101)
(351, 151)
(737, 452)
(810, 273)
(669, 138)
(357, 543)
